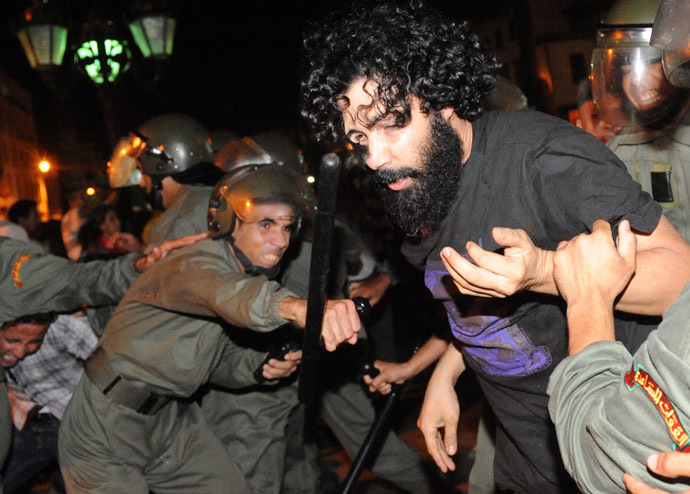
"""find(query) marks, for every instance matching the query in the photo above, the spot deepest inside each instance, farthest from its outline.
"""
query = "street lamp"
(102, 56)
(153, 28)
(43, 206)
(43, 36)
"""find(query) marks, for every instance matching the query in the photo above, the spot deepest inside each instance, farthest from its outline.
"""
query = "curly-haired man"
(405, 86)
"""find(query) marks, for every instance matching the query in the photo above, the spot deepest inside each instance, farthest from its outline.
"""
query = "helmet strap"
(155, 197)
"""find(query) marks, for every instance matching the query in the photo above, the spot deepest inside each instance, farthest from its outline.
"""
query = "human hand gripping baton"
(327, 195)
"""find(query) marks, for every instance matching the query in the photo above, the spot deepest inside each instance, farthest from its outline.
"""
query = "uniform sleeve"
(236, 367)
(33, 281)
(577, 389)
(204, 285)
(612, 410)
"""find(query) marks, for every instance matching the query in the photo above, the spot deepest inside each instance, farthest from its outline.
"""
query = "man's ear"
(447, 113)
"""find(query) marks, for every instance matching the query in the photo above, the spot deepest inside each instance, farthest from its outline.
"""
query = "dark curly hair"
(406, 51)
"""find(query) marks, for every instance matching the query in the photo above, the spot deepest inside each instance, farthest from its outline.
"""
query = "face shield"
(240, 191)
(671, 33)
(628, 81)
(122, 167)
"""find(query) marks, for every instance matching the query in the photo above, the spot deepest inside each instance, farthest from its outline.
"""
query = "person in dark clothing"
(485, 201)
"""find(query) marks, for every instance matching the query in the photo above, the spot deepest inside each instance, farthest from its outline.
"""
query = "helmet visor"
(122, 166)
(671, 33)
(628, 81)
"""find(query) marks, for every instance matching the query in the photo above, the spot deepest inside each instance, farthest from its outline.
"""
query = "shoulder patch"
(16, 277)
(641, 378)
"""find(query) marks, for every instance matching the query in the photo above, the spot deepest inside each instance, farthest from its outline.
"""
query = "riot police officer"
(130, 426)
(631, 91)
(170, 155)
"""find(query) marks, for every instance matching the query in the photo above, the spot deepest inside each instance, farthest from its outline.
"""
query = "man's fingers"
(434, 445)
(671, 464)
(340, 323)
(635, 486)
(509, 237)
(602, 226)
(450, 438)
(295, 355)
(627, 242)
(442, 458)
(170, 245)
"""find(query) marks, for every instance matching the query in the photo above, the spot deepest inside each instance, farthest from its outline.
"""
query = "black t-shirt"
(538, 173)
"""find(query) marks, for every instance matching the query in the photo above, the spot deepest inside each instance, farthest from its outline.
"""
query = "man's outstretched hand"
(522, 266)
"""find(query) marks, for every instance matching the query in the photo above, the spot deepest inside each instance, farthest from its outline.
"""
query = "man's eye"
(358, 139)
(289, 228)
(264, 225)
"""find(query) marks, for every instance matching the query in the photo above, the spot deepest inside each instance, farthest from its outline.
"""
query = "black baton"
(378, 429)
(327, 195)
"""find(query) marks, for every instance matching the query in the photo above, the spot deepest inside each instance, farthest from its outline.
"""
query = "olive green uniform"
(186, 216)
(153, 347)
(250, 422)
(659, 160)
(33, 281)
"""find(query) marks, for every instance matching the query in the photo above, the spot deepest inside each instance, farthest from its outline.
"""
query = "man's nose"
(20, 351)
(379, 153)
(281, 238)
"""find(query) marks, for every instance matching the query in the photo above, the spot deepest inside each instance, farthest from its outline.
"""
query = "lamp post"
(100, 50)
(43, 206)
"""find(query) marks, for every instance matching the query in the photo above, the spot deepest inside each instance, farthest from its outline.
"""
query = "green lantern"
(103, 60)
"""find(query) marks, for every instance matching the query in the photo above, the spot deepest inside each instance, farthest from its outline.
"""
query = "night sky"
(234, 66)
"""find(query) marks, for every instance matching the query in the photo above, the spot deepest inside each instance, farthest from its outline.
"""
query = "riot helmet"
(122, 166)
(246, 188)
(628, 81)
(671, 34)
(174, 143)
(261, 149)
(505, 96)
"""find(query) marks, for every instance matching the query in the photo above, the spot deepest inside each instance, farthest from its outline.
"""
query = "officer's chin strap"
(155, 197)
(250, 268)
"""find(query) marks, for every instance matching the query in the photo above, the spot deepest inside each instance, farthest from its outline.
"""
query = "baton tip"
(330, 160)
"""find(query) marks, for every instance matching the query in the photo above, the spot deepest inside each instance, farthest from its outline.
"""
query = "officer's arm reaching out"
(340, 319)
(590, 271)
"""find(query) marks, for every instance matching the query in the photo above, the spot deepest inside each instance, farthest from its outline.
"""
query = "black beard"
(421, 207)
